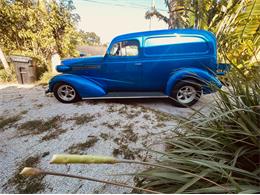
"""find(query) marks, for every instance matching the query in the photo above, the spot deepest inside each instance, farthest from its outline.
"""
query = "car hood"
(94, 60)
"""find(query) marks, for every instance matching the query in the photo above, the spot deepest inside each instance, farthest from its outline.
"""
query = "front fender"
(84, 86)
(201, 75)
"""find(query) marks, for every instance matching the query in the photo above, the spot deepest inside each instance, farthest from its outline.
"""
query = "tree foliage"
(189, 13)
(38, 28)
(238, 33)
(235, 22)
(89, 38)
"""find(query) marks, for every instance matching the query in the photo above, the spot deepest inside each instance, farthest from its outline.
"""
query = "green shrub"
(7, 76)
(219, 152)
(44, 80)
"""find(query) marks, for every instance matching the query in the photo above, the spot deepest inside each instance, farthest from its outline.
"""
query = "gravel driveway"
(33, 127)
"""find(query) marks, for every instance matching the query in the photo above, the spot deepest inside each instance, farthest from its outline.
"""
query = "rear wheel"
(186, 93)
(65, 93)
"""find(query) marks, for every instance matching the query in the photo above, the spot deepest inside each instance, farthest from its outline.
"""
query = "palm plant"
(236, 24)
(178, 14)
(238, 33)
(188, 13)
(224, 146)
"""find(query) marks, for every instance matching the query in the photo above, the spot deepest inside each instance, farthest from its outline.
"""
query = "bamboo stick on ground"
(82, 159)
(89, 159)
(29, 171)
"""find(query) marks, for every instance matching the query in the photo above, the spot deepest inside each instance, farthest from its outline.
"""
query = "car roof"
(164, 32)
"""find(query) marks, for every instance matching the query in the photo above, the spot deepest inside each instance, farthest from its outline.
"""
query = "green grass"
(219, 152)
(7, 76)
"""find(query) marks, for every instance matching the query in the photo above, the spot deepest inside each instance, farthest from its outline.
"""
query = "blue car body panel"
(201, 76)
(164, 58)
(84, 86)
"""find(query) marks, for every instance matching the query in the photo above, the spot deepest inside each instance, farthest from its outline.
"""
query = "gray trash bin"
(25, 69)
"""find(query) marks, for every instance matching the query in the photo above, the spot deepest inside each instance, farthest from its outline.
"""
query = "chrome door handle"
(138, 64)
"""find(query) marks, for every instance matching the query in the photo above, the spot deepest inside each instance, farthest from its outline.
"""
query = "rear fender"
(84, 86)
(209, 81)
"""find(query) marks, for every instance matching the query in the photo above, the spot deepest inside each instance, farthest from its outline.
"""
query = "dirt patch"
(105, 136)
(126, 153)
(159, 116)
(112, 125)
(9, 121)
(129, 133)
(83, 119)
(26, 185)
(24, 112)
(100, 190)
(147, 116)
(81, 148)
(35, 127)
(55, 133)
(160, 125)
(132, 111)
(39, 106)
(126, 136)
(129, 111)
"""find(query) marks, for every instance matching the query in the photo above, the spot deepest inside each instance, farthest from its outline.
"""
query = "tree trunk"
(196, 15)
(173, 19)
(4, 61)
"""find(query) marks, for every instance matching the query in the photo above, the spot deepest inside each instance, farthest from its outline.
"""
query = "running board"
(129, 95)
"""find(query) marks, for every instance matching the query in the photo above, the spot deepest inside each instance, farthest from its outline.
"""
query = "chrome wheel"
(66, 93)
(186, 94)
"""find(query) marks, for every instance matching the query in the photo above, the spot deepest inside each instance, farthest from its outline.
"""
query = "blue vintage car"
(176, 64)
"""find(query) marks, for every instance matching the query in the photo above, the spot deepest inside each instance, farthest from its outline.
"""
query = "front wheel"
(65, 93)
(186, 93)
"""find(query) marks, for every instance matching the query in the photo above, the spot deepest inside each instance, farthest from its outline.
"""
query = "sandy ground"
(34, 127)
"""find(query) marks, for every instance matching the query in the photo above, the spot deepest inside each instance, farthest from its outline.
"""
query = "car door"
(123, 66)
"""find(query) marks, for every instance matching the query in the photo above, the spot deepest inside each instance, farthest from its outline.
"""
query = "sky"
(109, 18)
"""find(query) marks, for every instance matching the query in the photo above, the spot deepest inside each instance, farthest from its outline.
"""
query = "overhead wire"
(132, 5)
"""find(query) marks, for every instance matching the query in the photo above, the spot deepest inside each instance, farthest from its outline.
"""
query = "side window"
(125, 48)
(175, 45)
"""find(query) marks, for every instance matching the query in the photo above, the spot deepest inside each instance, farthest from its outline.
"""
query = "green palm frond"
(149, 14)
(224, 145)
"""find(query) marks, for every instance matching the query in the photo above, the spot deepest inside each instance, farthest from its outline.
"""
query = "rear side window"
(125, 48)
(172, 45)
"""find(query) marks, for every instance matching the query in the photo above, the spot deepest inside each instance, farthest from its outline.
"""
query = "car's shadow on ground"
(162, 104)
(31, 93)
(134, 101)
